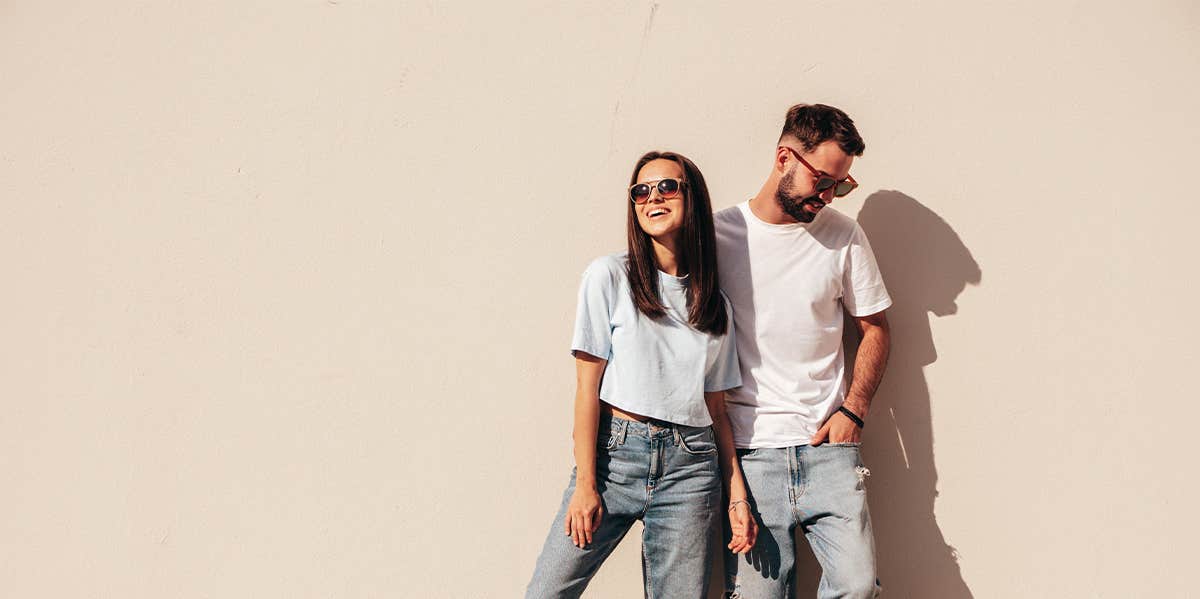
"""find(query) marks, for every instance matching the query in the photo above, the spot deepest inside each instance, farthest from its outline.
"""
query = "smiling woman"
(665, 232)
(654, 355)
(659, 205)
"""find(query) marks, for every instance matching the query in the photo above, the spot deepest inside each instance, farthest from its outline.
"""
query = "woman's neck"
(666, 256)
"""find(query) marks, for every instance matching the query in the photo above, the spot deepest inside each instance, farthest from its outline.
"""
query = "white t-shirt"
(657, 368)
(789, 284)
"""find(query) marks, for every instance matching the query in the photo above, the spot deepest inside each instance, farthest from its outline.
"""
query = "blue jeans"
(663, 474)
(822, 491)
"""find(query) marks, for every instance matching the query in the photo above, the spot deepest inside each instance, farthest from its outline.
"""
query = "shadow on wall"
(925, 266)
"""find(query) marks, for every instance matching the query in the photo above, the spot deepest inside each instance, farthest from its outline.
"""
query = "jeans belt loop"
(624, 429)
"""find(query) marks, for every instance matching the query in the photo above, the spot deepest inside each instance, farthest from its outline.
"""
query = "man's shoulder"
(728, 218)
(834, 219)
(730, 212)
(834, 228)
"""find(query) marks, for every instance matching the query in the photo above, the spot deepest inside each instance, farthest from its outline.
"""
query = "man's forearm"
(869, 365)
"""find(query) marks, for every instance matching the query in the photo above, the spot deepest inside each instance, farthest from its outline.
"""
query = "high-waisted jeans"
(663, 474)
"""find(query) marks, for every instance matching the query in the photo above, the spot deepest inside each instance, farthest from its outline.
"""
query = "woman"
(654, 353)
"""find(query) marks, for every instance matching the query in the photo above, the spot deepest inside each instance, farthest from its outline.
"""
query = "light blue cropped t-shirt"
(657, 368)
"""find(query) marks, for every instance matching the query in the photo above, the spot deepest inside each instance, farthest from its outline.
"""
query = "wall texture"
(288, 285)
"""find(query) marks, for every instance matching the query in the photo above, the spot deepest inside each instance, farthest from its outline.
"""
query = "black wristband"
(852, 416)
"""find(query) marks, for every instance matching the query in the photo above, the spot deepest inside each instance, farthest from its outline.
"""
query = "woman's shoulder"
(606, 274)
(608, 264)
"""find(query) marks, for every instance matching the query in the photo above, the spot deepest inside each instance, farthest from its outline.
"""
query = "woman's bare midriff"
(619, 413)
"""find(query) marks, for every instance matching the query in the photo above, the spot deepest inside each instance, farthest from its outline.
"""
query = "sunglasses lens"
(844, 188)
(668, 187)
(639, 193)
(824, 183)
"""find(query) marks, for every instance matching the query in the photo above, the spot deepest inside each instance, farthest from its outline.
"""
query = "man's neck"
(765, 207)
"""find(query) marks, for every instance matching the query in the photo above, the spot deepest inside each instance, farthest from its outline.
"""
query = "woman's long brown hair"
(697, 253)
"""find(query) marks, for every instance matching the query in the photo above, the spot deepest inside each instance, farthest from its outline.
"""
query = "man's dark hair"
(815, 124)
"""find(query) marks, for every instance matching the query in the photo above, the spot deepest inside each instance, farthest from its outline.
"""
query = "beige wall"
(288, 286)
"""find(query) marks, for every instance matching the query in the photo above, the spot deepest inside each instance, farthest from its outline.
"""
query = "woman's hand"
(584, 510)
(583, 516)
(741, 521)
(745, 529)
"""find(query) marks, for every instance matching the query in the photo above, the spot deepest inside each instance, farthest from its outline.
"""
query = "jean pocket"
(698, 441)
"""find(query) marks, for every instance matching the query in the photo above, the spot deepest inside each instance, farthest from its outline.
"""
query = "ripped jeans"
(822, 491)
(665, 475)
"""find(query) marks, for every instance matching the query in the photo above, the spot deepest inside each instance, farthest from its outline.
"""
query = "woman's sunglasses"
(667, 188)
(824, 181)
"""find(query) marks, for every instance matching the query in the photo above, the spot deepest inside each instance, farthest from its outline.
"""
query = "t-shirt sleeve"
(593, 314)
(724, 372)
(863, 291)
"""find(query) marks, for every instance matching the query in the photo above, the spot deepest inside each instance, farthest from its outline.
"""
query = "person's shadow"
(925, 266)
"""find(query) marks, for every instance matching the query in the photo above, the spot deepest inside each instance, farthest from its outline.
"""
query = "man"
(791, 265)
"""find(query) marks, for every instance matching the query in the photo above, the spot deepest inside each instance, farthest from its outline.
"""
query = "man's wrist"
(857, 406)
(852, 416)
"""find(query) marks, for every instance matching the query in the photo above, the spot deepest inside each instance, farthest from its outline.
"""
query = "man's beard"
(794, 205)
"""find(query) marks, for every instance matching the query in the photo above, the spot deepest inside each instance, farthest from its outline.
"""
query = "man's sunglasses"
(667, 188)
(824, 181)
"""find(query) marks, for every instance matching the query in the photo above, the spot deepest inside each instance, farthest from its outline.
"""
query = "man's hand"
(838, 429)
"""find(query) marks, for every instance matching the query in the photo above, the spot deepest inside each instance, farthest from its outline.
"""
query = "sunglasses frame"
(653, 185)
(819, 175)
